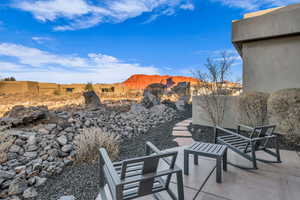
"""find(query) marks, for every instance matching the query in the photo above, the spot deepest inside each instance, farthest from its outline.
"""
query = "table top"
(207, 148)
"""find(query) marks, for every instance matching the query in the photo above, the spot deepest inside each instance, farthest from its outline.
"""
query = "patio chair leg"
(186, 163)
(225, 161)
(277, 151)
(157, 196)
(172, 195)
(195, 159)
(253, 156)
(180, 189)
(101, 173)
(219, 170)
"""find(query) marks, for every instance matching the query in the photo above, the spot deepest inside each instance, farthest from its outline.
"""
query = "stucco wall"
(200, 116)
(273, 64)
(15, 87)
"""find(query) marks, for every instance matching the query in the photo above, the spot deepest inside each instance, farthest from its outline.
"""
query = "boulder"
(62, 140)
(149, 100)
(7, 174)
(91, 99)
(137, 108)
(30, 193)
(169, 104)
(21, 115)
(69, 197)
(17, 186)
(182, 103)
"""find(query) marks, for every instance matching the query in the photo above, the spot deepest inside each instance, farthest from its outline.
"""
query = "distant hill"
(141, 81)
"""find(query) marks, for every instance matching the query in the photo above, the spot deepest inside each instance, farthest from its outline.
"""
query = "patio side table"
(216, 151)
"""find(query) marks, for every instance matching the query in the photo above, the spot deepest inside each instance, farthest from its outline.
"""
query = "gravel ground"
(82, 180)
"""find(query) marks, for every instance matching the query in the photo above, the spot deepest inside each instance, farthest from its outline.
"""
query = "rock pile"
(44, 150)
(21, 115)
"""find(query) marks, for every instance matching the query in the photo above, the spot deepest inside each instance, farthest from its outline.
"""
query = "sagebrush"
(6, 140)
(284, 109)
(88, 143)
(253, 108)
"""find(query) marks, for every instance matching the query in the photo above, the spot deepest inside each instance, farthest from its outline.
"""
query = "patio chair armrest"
(109, 165)
(151, 175)
(151, 147)
(263, 138)
(233, 133)
(245, 126)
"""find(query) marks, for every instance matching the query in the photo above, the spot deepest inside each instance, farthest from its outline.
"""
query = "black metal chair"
(257, 140)
(137, 177)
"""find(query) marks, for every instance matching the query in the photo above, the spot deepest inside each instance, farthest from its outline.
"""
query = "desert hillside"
(141, 81)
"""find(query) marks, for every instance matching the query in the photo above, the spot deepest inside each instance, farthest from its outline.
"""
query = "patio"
(270, 182)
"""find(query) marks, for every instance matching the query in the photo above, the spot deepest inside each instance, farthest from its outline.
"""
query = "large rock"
(137, 108)
(149, 100)
(70, 197)
(6, 174)
(30, 193)
(182, 103)
(91, 99)
(18, 186)
(21, 115)
(182, 89)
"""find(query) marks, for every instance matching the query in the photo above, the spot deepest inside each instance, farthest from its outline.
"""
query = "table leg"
(195, 159)
(225, 160)
(186, 162)
(219, 170)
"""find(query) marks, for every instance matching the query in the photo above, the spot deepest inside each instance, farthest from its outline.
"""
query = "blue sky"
(108, 40)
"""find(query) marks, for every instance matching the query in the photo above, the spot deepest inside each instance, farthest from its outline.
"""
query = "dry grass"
(5, 142)
(88, 143)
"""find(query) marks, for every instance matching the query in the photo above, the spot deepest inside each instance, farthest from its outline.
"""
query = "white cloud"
(38, 65)
(256, 4)
(41, 40)
(84, 14)
(36, 57)
(10, 67)
(188, 6)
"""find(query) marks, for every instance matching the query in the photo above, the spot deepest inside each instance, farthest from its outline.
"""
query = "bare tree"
(213, 86)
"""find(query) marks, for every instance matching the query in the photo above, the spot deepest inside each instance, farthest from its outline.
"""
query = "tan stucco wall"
(270, 65)
(269, 44)
(201, 117)
(15, 87)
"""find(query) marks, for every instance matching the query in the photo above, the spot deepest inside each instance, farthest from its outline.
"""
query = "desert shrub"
(252, 108)
(57, 92)
(6, 141)
(88, 143)
(89, 87)
(212, 87)
(284, 110)
(8, 79)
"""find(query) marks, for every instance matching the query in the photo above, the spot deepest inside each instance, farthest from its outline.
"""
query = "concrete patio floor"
(280, 181)
(270, 182)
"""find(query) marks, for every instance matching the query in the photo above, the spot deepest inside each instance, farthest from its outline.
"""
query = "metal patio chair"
(247, 147)
(137, 177)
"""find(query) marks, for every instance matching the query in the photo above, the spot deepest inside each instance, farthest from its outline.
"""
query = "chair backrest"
(262, 131)
(146, 167)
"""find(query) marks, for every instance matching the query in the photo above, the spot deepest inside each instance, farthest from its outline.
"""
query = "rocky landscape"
(37, 143)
